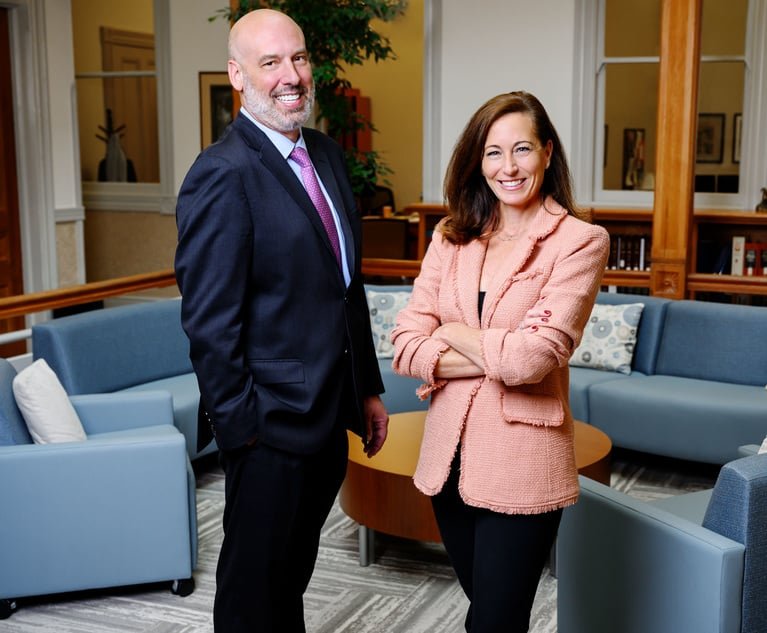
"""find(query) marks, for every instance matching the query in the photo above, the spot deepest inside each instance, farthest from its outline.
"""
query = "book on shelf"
(626, 290)
(738, 253)
(629, 252)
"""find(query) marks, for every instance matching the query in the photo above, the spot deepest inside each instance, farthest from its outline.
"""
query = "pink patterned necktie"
(301, 156)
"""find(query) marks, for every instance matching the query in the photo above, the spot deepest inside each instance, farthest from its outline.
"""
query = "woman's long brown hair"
(473, 209)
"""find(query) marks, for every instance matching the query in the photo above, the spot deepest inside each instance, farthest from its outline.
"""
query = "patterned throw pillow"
(609, 338)
(384, 307)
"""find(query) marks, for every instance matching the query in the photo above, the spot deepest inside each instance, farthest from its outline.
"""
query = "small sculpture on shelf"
(762, 206)
(115, 166)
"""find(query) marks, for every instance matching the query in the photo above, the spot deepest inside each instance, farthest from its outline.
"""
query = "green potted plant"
(338, 32)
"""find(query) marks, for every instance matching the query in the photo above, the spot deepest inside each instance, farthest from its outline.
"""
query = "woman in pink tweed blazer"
(501, 301)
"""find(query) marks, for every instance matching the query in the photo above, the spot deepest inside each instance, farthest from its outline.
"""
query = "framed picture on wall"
(217, 106)
(737, 126)
(710, 140)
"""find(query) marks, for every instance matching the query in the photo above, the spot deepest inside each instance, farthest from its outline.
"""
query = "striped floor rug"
(409, 589)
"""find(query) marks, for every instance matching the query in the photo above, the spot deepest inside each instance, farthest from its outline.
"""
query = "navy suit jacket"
(282, 349)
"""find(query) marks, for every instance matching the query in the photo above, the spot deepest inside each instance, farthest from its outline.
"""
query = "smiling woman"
(504, 292)
(513, 165)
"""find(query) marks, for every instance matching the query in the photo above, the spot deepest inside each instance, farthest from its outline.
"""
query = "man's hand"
(376, 424)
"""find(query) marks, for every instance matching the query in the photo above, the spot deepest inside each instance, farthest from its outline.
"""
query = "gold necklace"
(508, 237)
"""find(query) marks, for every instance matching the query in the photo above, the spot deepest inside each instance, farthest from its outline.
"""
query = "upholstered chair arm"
(625, 565)
(107, 412)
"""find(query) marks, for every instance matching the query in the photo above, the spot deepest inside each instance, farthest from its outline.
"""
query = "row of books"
(629, 252)
(627, 290)
(748, 258)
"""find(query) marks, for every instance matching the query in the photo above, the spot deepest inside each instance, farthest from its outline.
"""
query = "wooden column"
(676, 141)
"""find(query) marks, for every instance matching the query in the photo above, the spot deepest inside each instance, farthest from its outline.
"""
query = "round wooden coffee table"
(378, 492)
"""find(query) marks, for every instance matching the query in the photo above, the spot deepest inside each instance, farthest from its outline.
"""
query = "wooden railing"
(20, 305)
(64, 297)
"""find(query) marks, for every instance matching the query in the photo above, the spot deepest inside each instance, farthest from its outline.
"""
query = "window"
(617, 76)
(119, 65)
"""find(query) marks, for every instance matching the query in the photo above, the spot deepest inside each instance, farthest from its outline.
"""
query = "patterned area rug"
(410, 588)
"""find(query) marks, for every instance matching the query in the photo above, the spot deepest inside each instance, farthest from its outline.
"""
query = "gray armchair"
(695, 563)
(116, 509)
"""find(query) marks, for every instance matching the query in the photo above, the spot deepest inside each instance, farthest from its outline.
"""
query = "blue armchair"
(694, 563)
(116, 509)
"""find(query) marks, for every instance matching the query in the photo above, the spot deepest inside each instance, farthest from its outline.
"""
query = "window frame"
(147, 197)
(588, 121)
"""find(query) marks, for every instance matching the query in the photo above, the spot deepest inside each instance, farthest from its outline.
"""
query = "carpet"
(410, 588)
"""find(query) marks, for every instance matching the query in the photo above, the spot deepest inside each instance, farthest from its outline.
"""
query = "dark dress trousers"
(283, 354)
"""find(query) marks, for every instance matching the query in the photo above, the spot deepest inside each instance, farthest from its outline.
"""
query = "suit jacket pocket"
(277, 371)
(530, 408)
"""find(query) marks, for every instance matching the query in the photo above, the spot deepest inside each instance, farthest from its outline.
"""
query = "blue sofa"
(704, 395)
(139, 347)
(696, 389)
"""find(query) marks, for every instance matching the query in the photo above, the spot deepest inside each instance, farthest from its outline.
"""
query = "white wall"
(196, 45)
(498, 46)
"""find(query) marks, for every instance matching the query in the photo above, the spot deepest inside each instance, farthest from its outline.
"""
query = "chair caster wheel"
(182, 587)
(7, 607)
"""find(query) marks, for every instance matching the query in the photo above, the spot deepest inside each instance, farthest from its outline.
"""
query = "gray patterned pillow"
(609, 338)
(384, 307)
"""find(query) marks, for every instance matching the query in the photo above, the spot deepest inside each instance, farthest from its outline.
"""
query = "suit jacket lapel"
(279, 167)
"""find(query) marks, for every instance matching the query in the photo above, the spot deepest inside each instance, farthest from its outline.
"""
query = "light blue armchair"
(694, 563)
(116, 509)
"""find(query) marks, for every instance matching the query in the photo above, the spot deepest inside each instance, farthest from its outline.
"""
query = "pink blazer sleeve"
(415, 353)
(514, 357)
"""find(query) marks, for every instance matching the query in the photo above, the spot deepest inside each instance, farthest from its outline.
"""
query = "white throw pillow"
(384, 307)
(46, 408)
(763, 447)
(609, 338)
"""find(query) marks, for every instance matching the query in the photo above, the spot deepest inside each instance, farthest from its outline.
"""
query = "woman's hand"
(533, 319)
(464, 359)
(465, 341)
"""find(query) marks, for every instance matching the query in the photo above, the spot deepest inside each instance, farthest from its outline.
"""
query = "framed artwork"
(217, 106)
(710, 140)
(633, 158)
(737, 126)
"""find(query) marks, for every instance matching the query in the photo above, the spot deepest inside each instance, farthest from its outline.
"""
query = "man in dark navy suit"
(268, 263)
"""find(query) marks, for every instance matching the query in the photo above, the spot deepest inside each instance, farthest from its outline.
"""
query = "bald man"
(268, 263)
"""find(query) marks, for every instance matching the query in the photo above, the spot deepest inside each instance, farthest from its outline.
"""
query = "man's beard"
(264, 110)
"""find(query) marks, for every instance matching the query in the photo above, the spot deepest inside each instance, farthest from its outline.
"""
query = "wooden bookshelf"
(711, 230)
(629, 225)
(711, 226)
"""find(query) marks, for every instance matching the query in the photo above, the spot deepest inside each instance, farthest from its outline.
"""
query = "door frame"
(31, 109)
